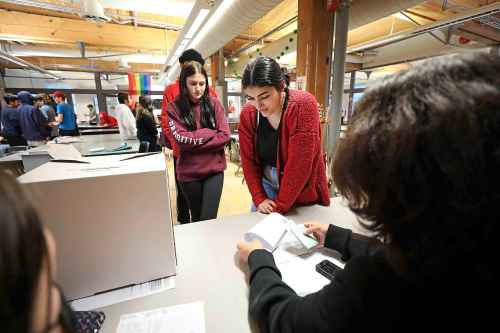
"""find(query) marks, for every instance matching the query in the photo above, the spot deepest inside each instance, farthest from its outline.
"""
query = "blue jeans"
(271, 187)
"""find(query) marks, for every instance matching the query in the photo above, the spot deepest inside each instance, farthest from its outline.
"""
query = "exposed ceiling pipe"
(21, 62)
(445, 23)
(116, 18)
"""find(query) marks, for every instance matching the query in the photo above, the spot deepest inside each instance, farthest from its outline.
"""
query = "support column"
(335, 112)
(214, 68)
(101, 99)
(221, 80)
(314, 47)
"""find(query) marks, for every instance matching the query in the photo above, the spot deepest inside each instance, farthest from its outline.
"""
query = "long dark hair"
(145, 109)
(420, 164)
(23, 250)
(184, 104)
(264, 72)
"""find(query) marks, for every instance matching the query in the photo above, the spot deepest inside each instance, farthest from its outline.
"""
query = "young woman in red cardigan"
(199, 127)
(280, 141)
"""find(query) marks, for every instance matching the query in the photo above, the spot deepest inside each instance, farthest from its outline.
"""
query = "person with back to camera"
(10, 122)
(125, 118)
(419, 166)
(199, 127)
(280, 141)
(146, 124)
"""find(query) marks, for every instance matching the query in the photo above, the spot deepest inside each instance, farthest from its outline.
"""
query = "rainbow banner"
(139, 84)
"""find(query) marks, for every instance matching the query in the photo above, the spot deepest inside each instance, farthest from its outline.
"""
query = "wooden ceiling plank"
(38, 28)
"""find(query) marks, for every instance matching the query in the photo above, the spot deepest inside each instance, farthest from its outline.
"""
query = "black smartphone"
(328, 269)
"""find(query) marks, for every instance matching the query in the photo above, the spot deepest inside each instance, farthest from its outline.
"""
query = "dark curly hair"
(420, 164)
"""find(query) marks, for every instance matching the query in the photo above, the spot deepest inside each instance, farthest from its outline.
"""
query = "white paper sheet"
(124, 294)
(300, 272)
(185, 318)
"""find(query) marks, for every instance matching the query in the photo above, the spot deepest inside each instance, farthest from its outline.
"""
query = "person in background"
(169, 95)
(92, 114)
(30, 120)
(200, 129)
(280, 142)
(105, 119)
(10, 121)
(30, 299)
(45, 127)
(231, 108)
(66, 117)
(125, 118)
(419, 167)
(145, 123)
(50, 114)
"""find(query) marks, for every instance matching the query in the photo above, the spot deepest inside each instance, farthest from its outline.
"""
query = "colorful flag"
(139, 84)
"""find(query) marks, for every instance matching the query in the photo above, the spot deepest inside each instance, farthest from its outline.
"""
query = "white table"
(207, 269)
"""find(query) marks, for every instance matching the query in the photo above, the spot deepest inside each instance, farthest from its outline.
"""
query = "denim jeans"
(271, 186)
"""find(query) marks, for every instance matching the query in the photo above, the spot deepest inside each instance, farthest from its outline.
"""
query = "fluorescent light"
(212, 21)
(197, 23)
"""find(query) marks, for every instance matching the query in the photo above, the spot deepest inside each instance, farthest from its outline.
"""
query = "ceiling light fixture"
(197, 23)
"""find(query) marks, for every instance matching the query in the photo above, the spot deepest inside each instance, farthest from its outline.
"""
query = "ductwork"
(229, 19)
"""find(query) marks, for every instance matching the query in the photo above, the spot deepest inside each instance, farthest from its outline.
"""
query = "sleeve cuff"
(337, 239)
(260, 259)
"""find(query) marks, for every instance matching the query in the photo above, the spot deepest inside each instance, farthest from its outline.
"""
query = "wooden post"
(314, 47)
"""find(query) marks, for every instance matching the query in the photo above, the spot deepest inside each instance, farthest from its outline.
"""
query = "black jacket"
(146, 130)
(367, 295)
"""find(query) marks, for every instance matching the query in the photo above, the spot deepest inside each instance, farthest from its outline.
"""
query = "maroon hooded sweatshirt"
(201, 150)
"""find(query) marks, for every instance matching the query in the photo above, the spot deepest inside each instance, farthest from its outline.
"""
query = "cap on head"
(58, 94)
(191, 55)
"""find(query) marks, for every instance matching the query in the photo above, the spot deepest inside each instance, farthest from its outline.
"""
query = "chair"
(144, 147)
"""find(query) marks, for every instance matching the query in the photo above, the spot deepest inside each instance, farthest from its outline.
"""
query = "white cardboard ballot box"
(111, 220)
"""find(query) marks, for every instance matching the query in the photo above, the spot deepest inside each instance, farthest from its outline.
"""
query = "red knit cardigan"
(300, 161)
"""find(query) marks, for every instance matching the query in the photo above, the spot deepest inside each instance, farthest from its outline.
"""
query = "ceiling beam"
(30, 28)
(88, 65)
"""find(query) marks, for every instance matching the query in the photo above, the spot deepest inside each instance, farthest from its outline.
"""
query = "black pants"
(15, 140)
(182, 204)
(203, 196)
(73, 132)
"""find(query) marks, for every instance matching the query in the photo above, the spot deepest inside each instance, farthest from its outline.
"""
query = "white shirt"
(126, 122)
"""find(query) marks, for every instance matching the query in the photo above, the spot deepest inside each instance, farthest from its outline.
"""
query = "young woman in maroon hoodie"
(199, 127)
(280, 141)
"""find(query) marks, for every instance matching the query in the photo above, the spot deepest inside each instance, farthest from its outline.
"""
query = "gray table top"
(208, 271)
(107, 141)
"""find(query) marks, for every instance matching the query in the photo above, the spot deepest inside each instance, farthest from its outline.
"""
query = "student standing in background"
(30, 120)
(10, 122)
(125, 118)
(145, 123)
(198, 125)
(66, 117)
(169, 95)
(280, 141)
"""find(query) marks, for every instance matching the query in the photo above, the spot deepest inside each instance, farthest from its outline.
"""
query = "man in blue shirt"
(66, 117)
(10, 122)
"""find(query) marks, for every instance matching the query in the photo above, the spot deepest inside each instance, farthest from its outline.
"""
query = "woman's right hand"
(318, 230)
(266, 207)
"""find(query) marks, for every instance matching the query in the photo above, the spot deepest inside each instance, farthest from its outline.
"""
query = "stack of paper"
(186, 318)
